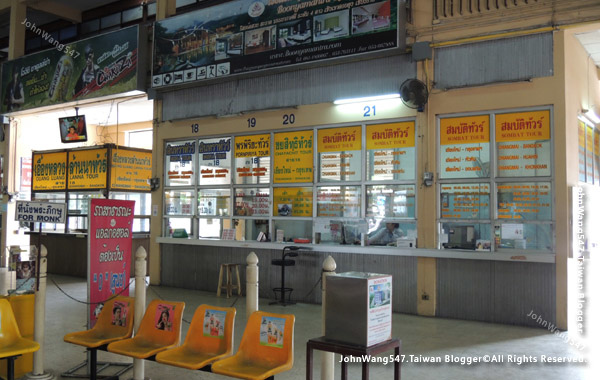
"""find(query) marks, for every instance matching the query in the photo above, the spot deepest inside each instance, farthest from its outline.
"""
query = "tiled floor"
(423, 338)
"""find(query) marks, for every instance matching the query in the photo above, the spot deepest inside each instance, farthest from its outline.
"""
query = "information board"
(49, 171)
(252, 163)
(581, 139)
(293, 201)
(293, 157)
(215, 161)
(179, 162)
(130, 170)
(525, 201)
(465, 147)
(465, 201)
(88, 169)
(391, 151)
(40, 212)
(340, 154)
(589, 154)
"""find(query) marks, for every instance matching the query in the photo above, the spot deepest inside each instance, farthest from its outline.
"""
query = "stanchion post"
(327, 358)
(140, 304)
(39, 319)
(251, 284)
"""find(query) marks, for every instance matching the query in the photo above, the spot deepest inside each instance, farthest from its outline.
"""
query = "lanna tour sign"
(49, 171)
(88, 169)
(293, 157)
(391, 151)
(523, 141)
(465, 147)
(340, 153)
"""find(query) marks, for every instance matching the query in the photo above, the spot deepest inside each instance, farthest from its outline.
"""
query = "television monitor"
(72, 129)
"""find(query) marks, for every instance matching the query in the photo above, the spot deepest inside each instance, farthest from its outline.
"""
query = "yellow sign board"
(590, 140)
(130, 170)
(597, 143)
(293, 201)
(88, 169)
(293, 157)
(390, 136)
(253, 146)
(465, 130)
(49, 171)
(523, 126)
(339, 139)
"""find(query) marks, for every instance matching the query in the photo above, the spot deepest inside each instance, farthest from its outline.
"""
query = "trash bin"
(23, 308)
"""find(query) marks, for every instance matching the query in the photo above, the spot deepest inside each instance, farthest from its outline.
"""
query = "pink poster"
(109, 237)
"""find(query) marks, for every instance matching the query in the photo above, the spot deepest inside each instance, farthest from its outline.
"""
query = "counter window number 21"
(369, 111)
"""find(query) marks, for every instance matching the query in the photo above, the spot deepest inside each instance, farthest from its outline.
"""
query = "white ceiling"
(591, 43)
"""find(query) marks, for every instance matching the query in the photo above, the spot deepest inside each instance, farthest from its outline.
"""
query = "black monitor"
(72, 129)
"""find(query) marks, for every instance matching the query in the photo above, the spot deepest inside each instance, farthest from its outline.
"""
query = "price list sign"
(523, 141)
(293, 201)
(391, 151)
(465, 201)
(293, 157)
(465, 147)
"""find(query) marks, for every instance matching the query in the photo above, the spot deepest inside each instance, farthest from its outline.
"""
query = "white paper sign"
(379, 320)
(44, 212)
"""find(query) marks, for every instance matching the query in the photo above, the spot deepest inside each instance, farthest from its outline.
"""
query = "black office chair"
(283, 262)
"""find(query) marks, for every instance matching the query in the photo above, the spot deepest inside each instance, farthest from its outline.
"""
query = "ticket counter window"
(467, 236)
(524, 236)
(173, 224)
(292, 230)
(390, 201)
(214, 202)
(179, 202)
(252, 229)
(141, 220)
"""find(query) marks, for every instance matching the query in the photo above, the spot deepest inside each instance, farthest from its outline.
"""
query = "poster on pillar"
(109, 256)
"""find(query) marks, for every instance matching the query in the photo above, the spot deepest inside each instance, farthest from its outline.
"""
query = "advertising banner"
(109, 251)
(130, 169)
(49, 171)
(90, 68)
(88, 169)
(293, 157)
(250, 35)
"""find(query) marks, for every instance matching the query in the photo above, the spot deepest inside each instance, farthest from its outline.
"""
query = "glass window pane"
(141, 225)
(466, 236)
(133, 14)
(249, 229)
(178, 202)
(597, 157)
(142, 201)
(33, 43)
(215, 161)
(183, 3)
(252, 159)
(465, 147)
(385, 201)
(90, 26)
(340, 154)
(339, 201)
(68, 32)
(391, 151)
(178, 223)
(525, 236)
(78, 224)
(214, 202)
(293, 201)
(525, 200)
(212, 228)
(179, 163)
(152, 9)
(465, 201)
(252, 202)
(293, 229)
(523, 144)
(339, 231)
(388, 231)
(110, 20)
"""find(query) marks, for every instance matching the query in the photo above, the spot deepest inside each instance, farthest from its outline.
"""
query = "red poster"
(110, 233)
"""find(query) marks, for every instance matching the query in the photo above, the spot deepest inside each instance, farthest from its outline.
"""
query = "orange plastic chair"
(267, 348)
(209, 338)
(159, 330)
(12, 345)
(114, 323)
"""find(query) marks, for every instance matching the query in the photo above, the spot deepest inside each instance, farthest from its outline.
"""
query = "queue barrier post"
(251, 284)
(327, 358)
(140, 304)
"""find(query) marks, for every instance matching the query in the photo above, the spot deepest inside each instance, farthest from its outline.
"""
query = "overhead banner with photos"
(130, 169)
(293, 157)
(465, 147)
(49, 171)
(523, 141)
(98, 66)
(251, 35)
(88, 169)
(109, 239)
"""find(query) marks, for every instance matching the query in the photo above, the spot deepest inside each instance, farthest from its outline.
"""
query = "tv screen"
(72, 129)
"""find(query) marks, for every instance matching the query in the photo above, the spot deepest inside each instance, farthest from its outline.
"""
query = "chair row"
(266, 348)
(12, 344)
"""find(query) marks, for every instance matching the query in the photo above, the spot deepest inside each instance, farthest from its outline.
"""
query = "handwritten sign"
(293, 157)
(88, 169)
(40, 212)
(49, 171)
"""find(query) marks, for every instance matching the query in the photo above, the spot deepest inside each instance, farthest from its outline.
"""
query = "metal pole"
(251, 284)
(140, 304)
(327, 358)
(39, 319)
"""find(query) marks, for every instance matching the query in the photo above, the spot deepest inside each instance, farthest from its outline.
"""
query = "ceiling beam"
(4, 4)
(54, 8)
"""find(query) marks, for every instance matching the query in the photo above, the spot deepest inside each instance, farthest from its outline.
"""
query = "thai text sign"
(293, 157)
(250, 35)
(339, 139)
(110, 250)
(253, 146)
(293, 201)
(465, 147)
(88, 169)
(40, 212)
(390, 136)
(49, 171)
(130, 169)
(94, 67)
